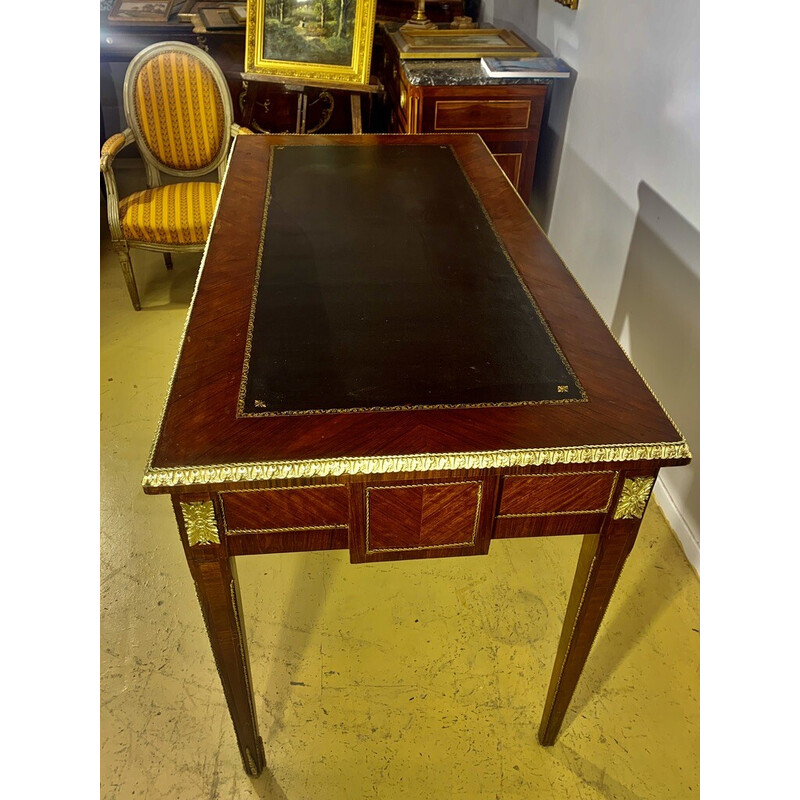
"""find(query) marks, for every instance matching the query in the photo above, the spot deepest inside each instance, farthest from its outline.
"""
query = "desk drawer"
(481, 115)
(301, 508)
(427, 516)
(568, 493)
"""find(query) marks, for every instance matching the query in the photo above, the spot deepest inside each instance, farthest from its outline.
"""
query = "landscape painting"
(314, 31)
(323, 40)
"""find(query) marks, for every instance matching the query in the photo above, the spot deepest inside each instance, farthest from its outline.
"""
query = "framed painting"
(460, 43)
(140, 12)
(218, 19)
(312, 41)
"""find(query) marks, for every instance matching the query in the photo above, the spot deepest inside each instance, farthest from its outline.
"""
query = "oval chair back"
(178, 106)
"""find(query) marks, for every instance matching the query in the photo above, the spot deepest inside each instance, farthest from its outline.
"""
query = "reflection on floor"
(423, 679)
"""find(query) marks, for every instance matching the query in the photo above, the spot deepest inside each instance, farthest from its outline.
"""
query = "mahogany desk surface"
(203, 428)
(384, 353)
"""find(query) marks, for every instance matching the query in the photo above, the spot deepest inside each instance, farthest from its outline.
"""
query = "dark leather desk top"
(383, 284)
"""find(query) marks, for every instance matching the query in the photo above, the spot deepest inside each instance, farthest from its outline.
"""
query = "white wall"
(618, 191)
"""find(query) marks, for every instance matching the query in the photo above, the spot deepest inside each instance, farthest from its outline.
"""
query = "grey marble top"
(451, 71)
(455, 72)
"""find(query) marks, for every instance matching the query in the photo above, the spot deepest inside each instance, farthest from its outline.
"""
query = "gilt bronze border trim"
(212, 474)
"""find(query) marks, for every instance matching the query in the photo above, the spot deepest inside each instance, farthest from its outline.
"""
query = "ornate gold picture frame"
(460, 43)
(314, 41)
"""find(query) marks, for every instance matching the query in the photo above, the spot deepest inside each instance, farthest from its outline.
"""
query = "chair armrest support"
(110, 148)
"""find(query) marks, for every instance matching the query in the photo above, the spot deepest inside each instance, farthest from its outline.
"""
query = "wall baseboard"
(690, 545)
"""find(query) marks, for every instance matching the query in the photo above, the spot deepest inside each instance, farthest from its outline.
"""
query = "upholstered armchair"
(179, 113)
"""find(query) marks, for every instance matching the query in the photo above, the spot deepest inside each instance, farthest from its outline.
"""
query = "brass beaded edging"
(423, 462)
(296, 529)
(470, 543)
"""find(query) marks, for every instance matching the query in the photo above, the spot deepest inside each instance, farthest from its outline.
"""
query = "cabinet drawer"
(480, 115)
(569, 493)
(303, 508)
(422, 516)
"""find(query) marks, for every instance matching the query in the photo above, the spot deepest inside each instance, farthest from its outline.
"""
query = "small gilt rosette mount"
(200, 522)
(573, 4)
(633, 498)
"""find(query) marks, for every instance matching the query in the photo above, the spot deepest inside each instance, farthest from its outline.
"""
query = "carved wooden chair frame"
(153, 166)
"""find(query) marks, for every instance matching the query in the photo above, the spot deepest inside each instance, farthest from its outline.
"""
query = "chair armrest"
(112, 146)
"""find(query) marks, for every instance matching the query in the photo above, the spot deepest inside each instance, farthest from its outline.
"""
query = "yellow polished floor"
(420, 679)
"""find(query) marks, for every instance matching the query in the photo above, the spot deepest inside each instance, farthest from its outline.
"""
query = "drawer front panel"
(425, 516)
(547, 525)
(285, 509)
(478, 115)
(574, 493)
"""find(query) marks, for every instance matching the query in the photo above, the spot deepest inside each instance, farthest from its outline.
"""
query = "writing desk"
(385, 354)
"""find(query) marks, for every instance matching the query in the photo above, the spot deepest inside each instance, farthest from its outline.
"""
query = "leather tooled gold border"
(563, 475)
(240, 411)
(470, 543)
(167, 477)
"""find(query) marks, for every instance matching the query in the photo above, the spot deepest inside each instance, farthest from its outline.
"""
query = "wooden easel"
(356, 93)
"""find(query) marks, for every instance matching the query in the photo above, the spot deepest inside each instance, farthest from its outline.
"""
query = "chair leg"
(168, 260)
(130, 281)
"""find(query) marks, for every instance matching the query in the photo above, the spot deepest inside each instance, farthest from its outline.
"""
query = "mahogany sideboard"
(360, 372)
(455, 95)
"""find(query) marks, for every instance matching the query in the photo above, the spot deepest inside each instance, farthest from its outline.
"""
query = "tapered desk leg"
(600, 563)
(215, 579)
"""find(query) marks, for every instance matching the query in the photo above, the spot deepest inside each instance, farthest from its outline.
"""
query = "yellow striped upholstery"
(176, 214)
(179, 110)
(113, 145)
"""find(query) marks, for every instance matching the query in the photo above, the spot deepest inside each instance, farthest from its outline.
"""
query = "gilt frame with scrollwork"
(261, 59)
